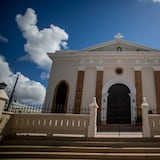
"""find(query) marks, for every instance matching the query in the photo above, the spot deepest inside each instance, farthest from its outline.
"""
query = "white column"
(92, 128)
(104, 108)
(145, 121)
(133, 108)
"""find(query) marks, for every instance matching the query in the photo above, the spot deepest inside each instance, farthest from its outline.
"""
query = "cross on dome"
(118, 36)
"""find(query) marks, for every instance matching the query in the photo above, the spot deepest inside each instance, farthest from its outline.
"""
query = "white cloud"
(44, 75)
(154, 1)
(3, 39)
(27, 91)
(39, 42)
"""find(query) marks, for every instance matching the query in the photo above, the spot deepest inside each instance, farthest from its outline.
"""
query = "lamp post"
(12, 93)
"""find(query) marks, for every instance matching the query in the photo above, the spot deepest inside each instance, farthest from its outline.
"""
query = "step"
(88, 142)
(73, 155)
(82, 139)
(13, 148)
(119, 127)
(80, 148)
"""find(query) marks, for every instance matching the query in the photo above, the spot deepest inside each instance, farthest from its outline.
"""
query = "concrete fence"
(150, 122)
(50, 123)
(47, 124)
(154, 123)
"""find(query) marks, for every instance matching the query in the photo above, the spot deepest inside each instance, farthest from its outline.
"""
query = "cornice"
(137, 68)
(156, 68)
(105, 54)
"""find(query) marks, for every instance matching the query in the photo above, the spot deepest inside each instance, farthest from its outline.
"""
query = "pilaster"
(157, 86)
(98, 93)
(138, 85)
(79, 91)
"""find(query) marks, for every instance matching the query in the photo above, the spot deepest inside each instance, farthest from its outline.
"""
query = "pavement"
(119, 134)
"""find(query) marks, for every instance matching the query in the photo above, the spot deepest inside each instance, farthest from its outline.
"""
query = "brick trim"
(138, 85)
(98, 94)
(79, 91)
(157, 86)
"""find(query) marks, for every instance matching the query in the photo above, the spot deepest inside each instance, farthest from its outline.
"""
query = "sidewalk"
(119, 134)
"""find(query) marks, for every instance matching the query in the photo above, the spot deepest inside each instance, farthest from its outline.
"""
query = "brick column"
(98, 92)
(138, 85)
(79, 91)
(157, 86)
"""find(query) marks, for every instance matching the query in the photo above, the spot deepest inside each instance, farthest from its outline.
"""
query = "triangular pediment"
(119, 45)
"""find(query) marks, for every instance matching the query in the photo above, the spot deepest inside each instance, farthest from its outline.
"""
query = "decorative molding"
(156, 68)
(100, 61)
(91, 61)
(82, 62)
(124, 81)
(156, 62)
(81, 68)
(119, 61)
(100, 68)
(137, 68)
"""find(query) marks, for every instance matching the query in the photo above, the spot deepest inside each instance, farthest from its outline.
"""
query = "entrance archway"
(60, 98)
(118, 110)
(105, 95)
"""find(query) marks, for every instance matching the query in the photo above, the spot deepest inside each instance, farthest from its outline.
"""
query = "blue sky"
(76, 24)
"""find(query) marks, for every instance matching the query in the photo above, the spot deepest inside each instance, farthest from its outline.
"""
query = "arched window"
(119, 49)
(60, 98)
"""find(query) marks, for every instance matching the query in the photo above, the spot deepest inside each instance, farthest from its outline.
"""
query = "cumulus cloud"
(44, 75)
(154, 1)
(27, 91)
(39, 42)
(3, 39)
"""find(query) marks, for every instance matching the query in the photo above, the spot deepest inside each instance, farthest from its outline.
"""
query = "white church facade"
(118, 73)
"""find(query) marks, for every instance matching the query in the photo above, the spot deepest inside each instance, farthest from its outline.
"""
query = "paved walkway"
(109, 135)
(119, 134)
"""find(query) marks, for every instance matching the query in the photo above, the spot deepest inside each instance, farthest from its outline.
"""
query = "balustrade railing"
(150, 122)
(48, 124)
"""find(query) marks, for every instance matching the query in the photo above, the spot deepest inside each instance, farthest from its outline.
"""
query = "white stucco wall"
(62, 70)
(89, 87)
(67, 63)
(148, 87)
(109, 73)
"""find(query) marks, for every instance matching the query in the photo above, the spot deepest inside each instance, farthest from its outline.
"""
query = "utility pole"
(11, 97)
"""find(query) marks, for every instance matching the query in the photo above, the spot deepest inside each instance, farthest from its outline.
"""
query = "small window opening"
(119, 49)
(119, 71)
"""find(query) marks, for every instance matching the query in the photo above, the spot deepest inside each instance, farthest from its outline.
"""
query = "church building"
(118, 73)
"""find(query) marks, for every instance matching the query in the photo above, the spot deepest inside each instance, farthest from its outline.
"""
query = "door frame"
(119, 109)
(105, 95)
(55, 95)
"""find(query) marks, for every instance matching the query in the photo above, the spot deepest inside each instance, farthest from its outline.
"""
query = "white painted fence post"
(92, 128)
(145, 120)
(3, 99)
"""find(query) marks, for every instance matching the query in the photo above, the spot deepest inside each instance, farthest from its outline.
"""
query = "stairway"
(80, 148)
(119, 127)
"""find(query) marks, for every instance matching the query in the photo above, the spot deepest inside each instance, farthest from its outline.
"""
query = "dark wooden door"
(118, 108)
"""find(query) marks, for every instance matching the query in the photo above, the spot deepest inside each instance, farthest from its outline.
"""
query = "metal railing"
(39, 108)
(23, 108)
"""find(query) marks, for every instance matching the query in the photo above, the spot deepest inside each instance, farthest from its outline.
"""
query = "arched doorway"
(119, 108)
(105, 95)
(60, 98)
